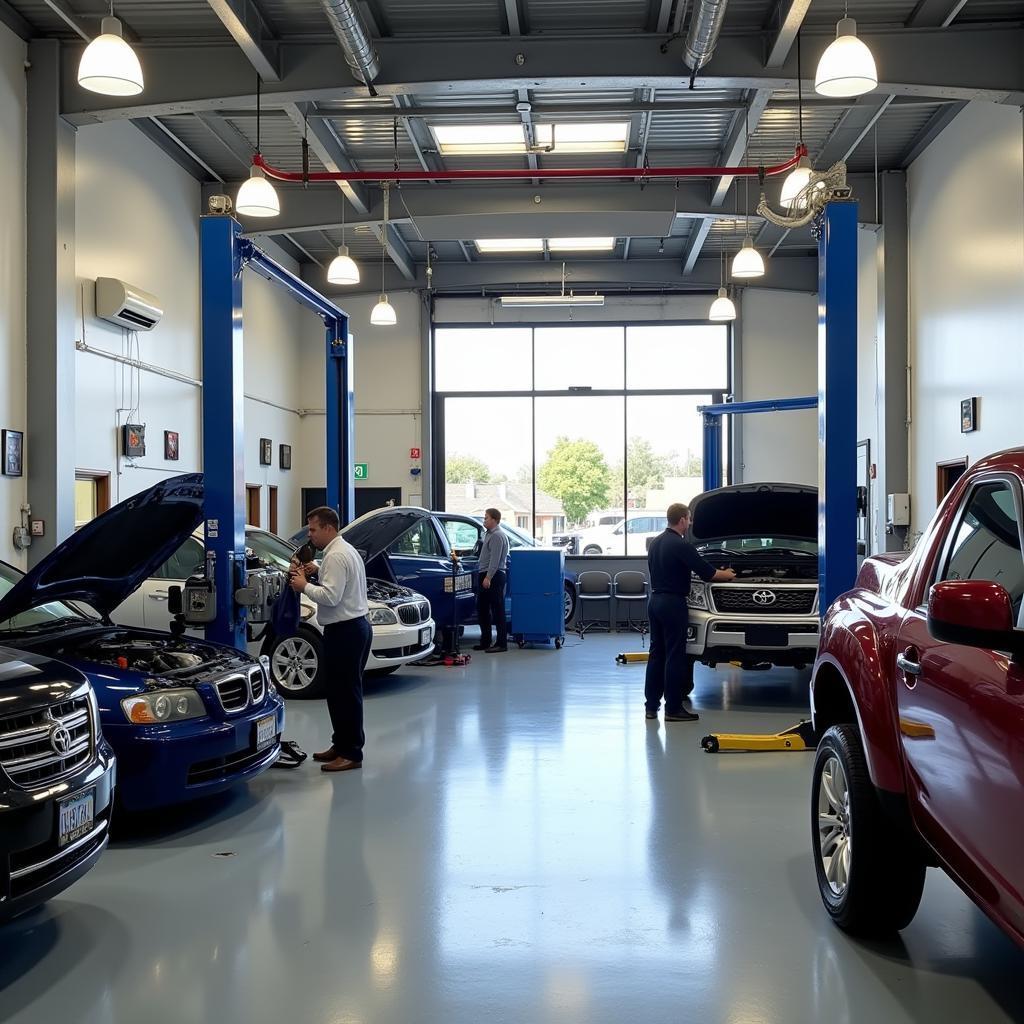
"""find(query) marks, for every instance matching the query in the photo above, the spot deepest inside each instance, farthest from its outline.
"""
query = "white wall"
(13, 490)
(779, 360)
(137, 218)
(388, 389)
(966, 226)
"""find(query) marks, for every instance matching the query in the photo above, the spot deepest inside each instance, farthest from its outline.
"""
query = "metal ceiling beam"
(935, 13)
(397, 250)
(965, 63)
(937, 124)
(377, 20)
(15, 22)
(182, 155)
(418, 137)
(515, 18)
(247, 26)
(70, 18)
(786, 21)
(305, 252)
(228, 136)
(324, 141)
(730, 156)
(851, 129)
(659, 13)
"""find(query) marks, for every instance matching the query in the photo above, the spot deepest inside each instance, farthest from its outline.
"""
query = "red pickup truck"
(918, 697)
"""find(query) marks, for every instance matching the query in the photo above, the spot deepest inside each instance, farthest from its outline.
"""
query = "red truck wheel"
(870, 880)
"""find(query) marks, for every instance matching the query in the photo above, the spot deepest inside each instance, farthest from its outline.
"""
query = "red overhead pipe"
(528, 172)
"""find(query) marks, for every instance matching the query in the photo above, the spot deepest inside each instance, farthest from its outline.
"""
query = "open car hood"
(371, 535)
(109, 558)
(755, 510)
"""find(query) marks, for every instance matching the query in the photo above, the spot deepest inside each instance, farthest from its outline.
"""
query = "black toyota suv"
(56, 780)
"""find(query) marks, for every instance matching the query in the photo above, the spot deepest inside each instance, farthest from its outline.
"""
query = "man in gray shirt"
(490, 601)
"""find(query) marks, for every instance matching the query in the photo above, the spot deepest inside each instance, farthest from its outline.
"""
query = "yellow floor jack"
(628, 657)
(798, 737)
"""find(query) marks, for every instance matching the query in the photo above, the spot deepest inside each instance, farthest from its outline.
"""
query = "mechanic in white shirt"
(342, 609)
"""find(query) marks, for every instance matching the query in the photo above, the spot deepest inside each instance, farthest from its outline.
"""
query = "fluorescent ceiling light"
(581, 244)
(552, 300)
(488, 245)
(508, 139)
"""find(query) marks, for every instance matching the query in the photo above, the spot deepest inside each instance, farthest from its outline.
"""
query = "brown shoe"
(326, 755)
(341, 764)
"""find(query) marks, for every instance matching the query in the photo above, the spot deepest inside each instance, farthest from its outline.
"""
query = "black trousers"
(346, 648)
(490, 607)
(669, 669)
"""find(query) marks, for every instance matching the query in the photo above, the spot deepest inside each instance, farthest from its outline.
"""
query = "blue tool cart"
(536, 584)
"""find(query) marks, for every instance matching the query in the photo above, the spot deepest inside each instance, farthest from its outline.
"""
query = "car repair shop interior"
(419, 260)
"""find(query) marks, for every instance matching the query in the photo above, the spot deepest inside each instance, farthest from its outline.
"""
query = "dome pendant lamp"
(343, 269)
(109, 65)
(847, 67)
(383, 314)
(748, 261)
(722, 309)
(257, 197)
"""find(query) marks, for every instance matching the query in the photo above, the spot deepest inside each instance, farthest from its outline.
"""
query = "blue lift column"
(712, 470)
(340, 417)
(223, 411)
(837, 401)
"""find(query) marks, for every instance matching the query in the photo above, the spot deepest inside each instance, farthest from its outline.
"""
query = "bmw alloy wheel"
(294, 664)
(834, 832)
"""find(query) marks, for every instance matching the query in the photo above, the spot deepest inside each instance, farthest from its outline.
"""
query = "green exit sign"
(362, 471)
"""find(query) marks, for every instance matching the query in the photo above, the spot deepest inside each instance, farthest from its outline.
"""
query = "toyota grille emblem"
(60, 740)
(764, 597)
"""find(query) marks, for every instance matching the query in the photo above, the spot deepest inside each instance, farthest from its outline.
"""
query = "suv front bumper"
(714, 637)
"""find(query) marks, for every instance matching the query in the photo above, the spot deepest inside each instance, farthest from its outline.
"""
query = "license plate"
(767, 636)
(424, 636)
(266, 732)
(459, 585)
(75, 817)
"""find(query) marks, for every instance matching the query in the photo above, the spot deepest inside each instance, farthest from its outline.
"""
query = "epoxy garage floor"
(521, 846)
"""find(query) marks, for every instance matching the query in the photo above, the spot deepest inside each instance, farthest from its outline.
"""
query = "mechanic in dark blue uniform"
(670, 561)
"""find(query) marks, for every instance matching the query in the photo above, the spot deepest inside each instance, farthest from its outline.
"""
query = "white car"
(612, 540)
(403, 629)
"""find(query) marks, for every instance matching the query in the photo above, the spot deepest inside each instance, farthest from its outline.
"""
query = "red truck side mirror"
(975, 613)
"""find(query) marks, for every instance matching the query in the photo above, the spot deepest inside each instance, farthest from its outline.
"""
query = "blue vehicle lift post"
(836, 402)
(223, 255)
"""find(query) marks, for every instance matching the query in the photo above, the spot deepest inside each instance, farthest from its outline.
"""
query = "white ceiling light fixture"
(109, 65)
(383, 314)
(847, 67)
(581, 244)
(794, 188)
(748, 261)
(722, 309)
(257, 197)
(497, 245)
(343, 269)
(509, 139)
(564, 299)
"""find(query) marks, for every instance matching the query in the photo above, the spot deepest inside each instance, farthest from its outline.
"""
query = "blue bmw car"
(186, 717)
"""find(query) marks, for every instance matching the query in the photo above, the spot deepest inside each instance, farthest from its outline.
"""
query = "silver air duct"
(705, 26)
(362, 59)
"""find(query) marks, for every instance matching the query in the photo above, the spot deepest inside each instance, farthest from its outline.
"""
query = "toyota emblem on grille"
(763, 597)
(60, 740)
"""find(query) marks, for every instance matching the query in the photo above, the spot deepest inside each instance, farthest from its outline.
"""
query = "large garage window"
(581, 435)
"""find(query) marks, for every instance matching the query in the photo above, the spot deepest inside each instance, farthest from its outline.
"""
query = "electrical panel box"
(898, 510)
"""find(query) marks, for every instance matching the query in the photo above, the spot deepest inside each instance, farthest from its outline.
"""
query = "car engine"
(171, 657)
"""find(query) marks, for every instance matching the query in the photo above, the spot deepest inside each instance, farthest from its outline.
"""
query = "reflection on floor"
(521, 846)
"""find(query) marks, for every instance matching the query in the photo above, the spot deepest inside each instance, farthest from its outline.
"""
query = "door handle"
(906, 664)
(158, 595)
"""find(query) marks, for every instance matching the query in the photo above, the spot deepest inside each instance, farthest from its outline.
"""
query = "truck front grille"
(43, 745)
(766, 600)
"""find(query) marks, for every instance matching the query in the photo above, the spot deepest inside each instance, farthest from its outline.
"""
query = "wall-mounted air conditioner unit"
(125, 305)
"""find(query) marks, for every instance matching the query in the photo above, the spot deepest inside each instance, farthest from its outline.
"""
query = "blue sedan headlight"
(163, 706)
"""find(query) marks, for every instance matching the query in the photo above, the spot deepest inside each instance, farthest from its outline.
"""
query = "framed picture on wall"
(266, 451)
(286, 456)
(968, 415)
(171, 445)
(13, 447)
(133, 440)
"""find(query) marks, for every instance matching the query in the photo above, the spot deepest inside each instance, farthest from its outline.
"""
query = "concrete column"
(892, 458)
(50, 434)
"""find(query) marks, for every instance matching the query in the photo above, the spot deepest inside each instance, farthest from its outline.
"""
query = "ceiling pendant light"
(257, 197)
(383, 314)
(747, 262)
(343, 269)
(722, 309)
(109, 65)
(846, 68)
(794, 188)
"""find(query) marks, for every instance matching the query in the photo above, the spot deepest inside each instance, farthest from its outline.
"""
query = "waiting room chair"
(593, 588)
(630, 587)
